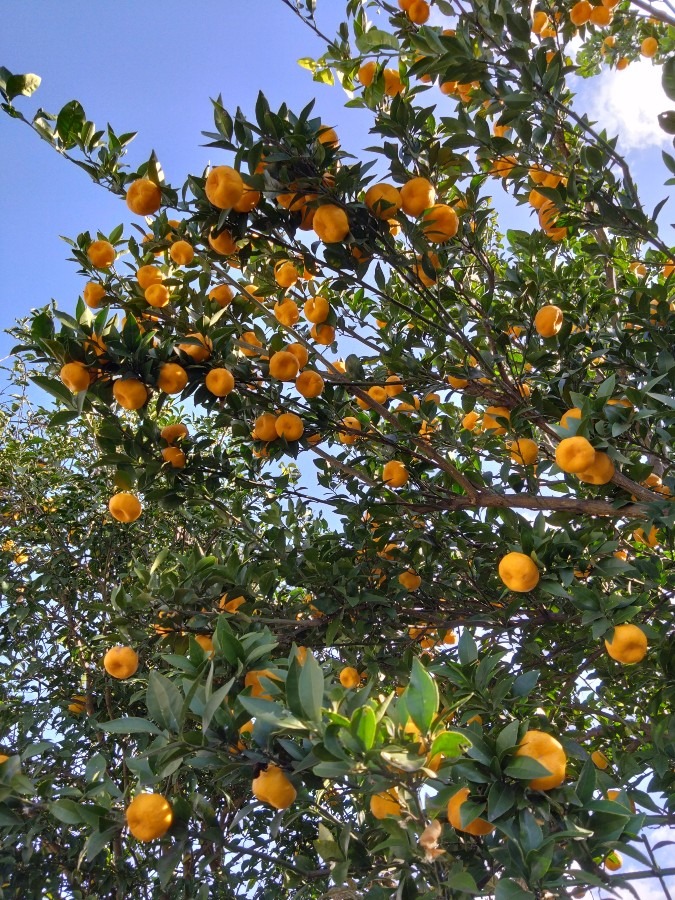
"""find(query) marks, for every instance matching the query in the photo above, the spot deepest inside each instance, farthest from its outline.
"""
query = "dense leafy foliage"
(330, 650)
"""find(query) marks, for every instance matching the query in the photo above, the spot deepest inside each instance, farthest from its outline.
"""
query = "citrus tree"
(344, 566)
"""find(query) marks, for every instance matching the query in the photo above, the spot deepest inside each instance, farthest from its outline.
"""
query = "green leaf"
(376, 39)
(364, 726)
(468, 651)
(54, 387)
(310, 688)
(225, 642)
(525, 769)
(164, 701)
(421, 696)
(508, 889)
(450, 744)
(69, 123)
(98, 841)
(23, 85)
(214, 702)
(525, 683)
(130, 725)
(668, 77)
(67, 811)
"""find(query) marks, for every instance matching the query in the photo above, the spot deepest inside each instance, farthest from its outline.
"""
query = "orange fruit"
(147, 275)
(440, 223)
(286, 311)
(77, 706)
(285, 273)
(300, 352)
(223, 187)
(548, 321)
(503, 166)
(581, 13)
(93, 294)
(197, 352)
(601, 15)
(252, 680)
(125, 507)
(457, 383)
(274, 788)
(539, 21)
(394, 473)
(289, 426)
(222, 294)
(491, 415)
(172, 378)
(323, 334)
(649, 47)
(385, 804)
(599, 759)
(231, 606)
(171, 433)
(330, 223)
(519, 572)
(283, 366)
(574, 454)
(601, 470)
(418, 12)
(310, 384)
(353, 424)
(316, 309)
(157, 295)
(130, 393)
(175, 457)
(470, 421)
(545, 749)
(383, 200)
(121, 662)
(248, 201)
(392, 82)
(349, 678)
(394, 386)
(264, 428)
(75, 376)
(574, 413)
(524, 451)
(149, 816)
(328, 136)
(101, 254)
(628, 644)
(366, 73)
(476, 826)
(613, 861)
(182, 253)
(409, 580)
(249, 337)
(417, 195)
(144, 197)
(219, 381)
(223, 243)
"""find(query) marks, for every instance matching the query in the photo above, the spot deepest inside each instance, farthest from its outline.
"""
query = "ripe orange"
(147, 275)
(649, 47)
(392, 82)
(470, 420)
(330, 223)
(545, 749)
(101, 254)
(394, 473)
(328, 136)
(524, 451)
(613, 861)
(157, 295)
(75, 376)
(548, 321)
(121, 662)
(284, 366)
(349, 678)
(581, 13)
(574, 413)
(149, 816)
(144, 197)
(231, 605)
(78, 705)
(175, 457)
(285, 273)
(539, 21)
(440, 223)
(222, 294)
(125, 507)
(418, 12)
(366, 73)
(300, 352)
(172, 378)
(248, 201)
(289, 426)
(130, 393)
(417, 195)
(309, 384)
(219, 381)
(353, 424)
(476, 826)
(286, 311)
(197, 352)
(599, 759)
(601, 470)
(394, 386)
(223, 187)
(264, 428)
(383, 200)
(323, 334)
(223, 243)
(171, 433)
(601, 15)
(316, 309)
(628, 644)
(182, 253)
(93, 294)
(274, 787)
(491, 416)
(250, 337)
(409, 580)
(385, 804)
(519, 572)
(574, 454)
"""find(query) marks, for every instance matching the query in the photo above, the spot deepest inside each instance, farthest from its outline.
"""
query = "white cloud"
(628, 103)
